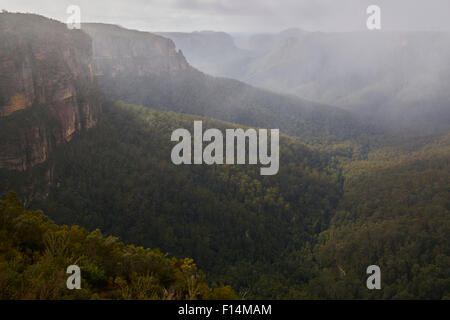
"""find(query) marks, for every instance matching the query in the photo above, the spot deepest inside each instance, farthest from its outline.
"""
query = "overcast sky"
(246, 15)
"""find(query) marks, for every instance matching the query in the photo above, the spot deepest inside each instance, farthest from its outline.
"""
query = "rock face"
(119, 51)
(209, 51)
(47, 88)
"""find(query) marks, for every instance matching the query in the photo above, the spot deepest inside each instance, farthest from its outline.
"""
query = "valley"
(89, 144)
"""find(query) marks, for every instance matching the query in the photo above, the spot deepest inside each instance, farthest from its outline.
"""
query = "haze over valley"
(86, 177)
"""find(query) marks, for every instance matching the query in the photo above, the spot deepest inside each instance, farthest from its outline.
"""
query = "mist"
(246, 16)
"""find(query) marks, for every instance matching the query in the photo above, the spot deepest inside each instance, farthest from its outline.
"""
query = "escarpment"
(122, 52)
(47, 88)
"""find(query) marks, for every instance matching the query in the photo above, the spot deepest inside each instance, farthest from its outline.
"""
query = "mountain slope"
(395, 214)
(400, 76)
(35, 253)
(208, 51)
(230, 219)
(128, 70)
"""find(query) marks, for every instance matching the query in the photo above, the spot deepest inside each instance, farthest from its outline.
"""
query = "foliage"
(239, 226)
(308, 232)
(35, 252)
(395, 214)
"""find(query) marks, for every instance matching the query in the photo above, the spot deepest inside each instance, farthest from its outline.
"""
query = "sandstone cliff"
(119, 51)
(47, 88)
(209, 51)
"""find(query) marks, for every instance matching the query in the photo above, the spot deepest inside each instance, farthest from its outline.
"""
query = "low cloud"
(248, 15)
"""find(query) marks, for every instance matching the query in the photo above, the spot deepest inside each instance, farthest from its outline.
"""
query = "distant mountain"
(395, 210)
(308, 232)
(239, 226)
(209, 51)
(143, 68)
(261, 43)
(396, 77)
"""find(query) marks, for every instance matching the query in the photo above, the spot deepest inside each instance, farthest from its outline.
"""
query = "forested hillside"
(208, 51)
(308, 232)
(35, 252)
(396, 77)
(394, 213)
(239, 226)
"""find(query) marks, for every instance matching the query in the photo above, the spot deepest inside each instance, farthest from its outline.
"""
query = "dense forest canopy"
(291, 235)
(35, 252)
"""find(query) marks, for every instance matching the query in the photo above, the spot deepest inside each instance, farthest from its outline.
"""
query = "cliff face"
(209, 51)
(145, 69)
(119, 51)
(47, 88)
(141, 68)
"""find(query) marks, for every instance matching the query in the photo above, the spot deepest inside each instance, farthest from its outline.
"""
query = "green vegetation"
(394, 213)
(308, 232)
(239, 226)
(35, 252)
(348, 194)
